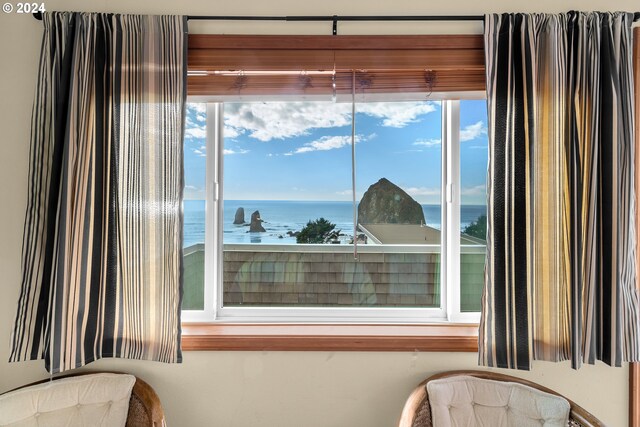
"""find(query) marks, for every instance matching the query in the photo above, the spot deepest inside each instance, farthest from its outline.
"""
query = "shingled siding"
(193, 263)
(471, 280)
(331, 279)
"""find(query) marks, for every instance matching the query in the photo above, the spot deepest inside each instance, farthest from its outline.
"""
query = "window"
(281, 165)
(274, 144)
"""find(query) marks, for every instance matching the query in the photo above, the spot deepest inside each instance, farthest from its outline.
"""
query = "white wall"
(272, 389)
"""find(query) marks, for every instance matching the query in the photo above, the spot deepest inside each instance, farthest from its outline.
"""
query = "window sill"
(329, 337)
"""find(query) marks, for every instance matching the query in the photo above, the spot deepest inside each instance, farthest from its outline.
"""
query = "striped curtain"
(101, 257)
(560, 270)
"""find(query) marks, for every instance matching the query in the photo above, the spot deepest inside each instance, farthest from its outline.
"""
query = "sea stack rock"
(386, 203)
(256, 223)
(239, 219)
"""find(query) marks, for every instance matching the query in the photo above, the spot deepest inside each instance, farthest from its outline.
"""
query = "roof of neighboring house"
(410, 234)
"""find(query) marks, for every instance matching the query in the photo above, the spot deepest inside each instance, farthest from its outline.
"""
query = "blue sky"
(302, 151)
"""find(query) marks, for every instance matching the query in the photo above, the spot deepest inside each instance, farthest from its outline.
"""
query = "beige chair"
(145, 409)
(417, 409)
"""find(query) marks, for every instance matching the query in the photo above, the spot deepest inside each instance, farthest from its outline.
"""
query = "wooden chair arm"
(413, 404)
(145, 407)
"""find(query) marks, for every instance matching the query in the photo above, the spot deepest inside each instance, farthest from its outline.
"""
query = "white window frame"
(449, 311)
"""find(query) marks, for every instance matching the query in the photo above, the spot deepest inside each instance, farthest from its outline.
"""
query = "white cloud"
(191, 192)
(396, 114)
(469, 133)
(428, 142)
(231, 132)
(230, 151)
(479, 147)
(473, 131)
(344, 192)
(423, 191)
(279, 120)
(199, 132)
(197, 108)
(196, 122)
(326, 143)
(478, 190)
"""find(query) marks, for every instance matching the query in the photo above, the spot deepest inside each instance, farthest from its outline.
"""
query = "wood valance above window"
(229, 65)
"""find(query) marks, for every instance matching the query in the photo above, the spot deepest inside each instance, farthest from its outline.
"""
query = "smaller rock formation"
(256, 223)
(239, 219)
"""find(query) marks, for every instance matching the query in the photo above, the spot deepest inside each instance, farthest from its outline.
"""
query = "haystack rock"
(256, 223)
(386, 203)
(239, 219)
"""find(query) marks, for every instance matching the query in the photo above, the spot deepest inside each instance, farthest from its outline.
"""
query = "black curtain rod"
(336, 18)
(341, 18)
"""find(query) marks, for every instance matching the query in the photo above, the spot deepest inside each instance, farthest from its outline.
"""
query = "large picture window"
(280, 210)
(296, 208)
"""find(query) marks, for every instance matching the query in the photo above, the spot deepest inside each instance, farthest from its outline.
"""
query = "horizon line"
(316, 201)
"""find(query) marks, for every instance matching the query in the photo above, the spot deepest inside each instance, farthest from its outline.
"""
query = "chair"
(417, 409)
(145, 409)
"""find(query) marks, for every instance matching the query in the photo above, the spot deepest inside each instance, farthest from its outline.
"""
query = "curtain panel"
(102, 246)
(560, 270)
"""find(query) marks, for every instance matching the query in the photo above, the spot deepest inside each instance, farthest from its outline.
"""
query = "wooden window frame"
(329, 337)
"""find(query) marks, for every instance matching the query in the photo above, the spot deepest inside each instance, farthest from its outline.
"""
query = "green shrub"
(318, 231)
(477, 228)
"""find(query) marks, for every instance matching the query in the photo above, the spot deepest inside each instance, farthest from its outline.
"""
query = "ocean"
(282, 216)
